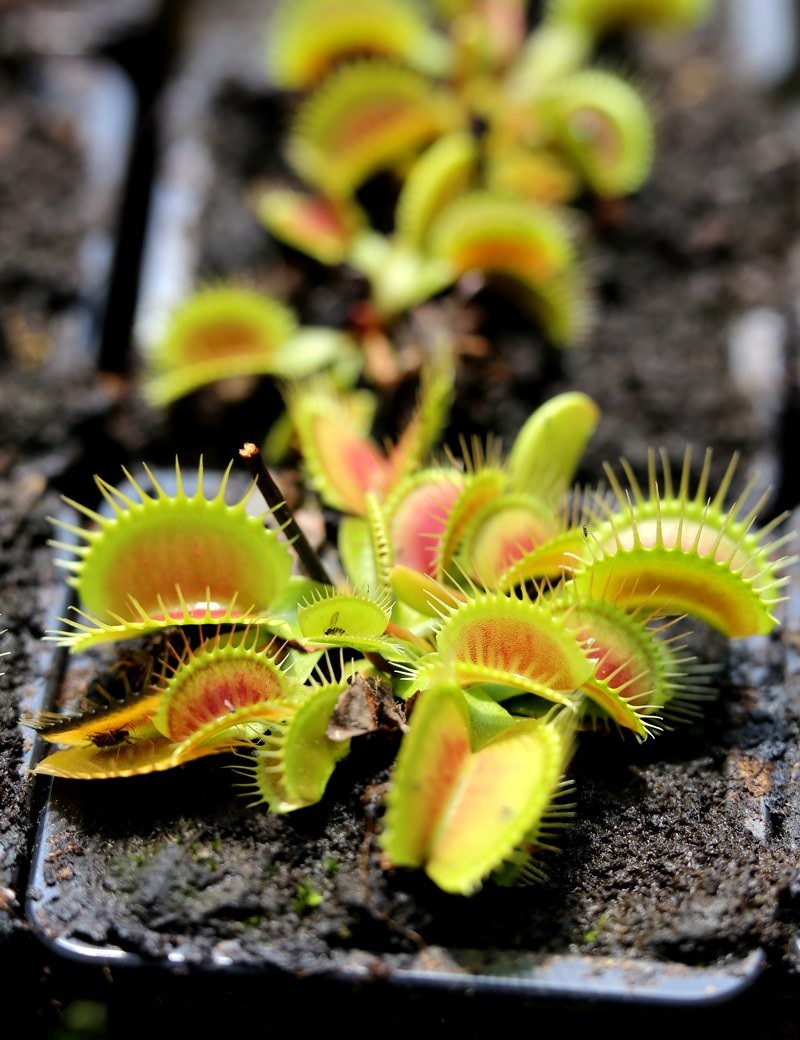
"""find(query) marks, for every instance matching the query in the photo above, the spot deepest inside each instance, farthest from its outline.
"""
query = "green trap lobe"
(215, 689)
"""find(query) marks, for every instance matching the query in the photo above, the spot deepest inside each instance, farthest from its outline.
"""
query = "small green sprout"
(593, 934)
(306, 899)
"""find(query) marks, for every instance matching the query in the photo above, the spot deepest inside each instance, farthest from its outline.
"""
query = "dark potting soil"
(682, 851)
(58, 197)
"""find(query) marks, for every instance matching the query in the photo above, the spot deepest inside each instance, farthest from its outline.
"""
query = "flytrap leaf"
(321, 228)
(491, 233)
(341, 459)
(641, 676)
(540, 176)
(162, 559)
(514, 642)
(680, 553)
(221, 690)
(417, 514)
(421, 592)
(442, 174)
(553, 50)
(348, 620)
(118, 742)
(227, 331)
(548, 449)
(458, 812)
(309, 38)
(523, 244)
(549, 560)
(357, 621)
(218, 332)
(149, 752)
(367, 117)
(603, 125)
(429, 417)
(488, 35)
(105, 727)
(481, 488)
(293, 761)
(506, 531)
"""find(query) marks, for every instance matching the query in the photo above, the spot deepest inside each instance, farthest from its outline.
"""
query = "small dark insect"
(110, 738)
(585, 530)
(333, 630)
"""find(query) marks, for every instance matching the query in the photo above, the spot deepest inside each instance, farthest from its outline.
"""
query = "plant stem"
(312, 564)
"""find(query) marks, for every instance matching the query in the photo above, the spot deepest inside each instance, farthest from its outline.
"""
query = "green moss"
(306, 898)
(593, 934)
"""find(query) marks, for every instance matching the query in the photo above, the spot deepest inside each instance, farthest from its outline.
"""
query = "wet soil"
(681, 858)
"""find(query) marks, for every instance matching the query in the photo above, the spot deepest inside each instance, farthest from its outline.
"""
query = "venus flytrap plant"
(618, 567)
(502, 655)
(160, 560)
(550, 129)
(505, 608)
(482, 519)
(680, 552)
(121, 741)
(291, 764)
(310, 37)
(445, 230)
(462, 808)
(341, 459)
(226, 331)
